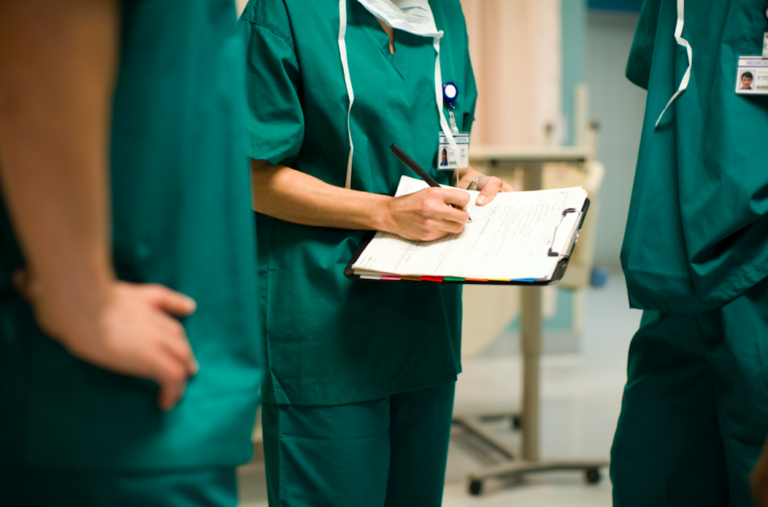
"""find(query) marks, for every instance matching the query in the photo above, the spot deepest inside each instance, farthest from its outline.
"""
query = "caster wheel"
(517, 423)
(476, 488)
(592, 475)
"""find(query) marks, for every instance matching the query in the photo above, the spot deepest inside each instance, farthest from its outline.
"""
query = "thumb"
(491, 188)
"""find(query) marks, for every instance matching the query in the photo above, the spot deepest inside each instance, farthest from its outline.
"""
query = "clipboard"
(556, 276)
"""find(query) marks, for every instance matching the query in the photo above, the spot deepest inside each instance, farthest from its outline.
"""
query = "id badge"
(447, 160)
(752, 76)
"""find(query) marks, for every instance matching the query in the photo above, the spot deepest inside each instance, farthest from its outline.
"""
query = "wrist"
(73, 282)
(383, 219)
(473, 185)
(468, 177)
(70, 305)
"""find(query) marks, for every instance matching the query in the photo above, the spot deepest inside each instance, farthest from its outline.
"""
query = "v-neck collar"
(380, 37)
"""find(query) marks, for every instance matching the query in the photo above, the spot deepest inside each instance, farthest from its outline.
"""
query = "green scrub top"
(697, 234)
(331, 340)
(182, 218)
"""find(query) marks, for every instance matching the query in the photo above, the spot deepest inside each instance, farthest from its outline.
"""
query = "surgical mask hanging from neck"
(412, 16)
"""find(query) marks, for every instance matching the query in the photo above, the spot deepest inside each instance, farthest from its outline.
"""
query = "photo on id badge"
(747, 80)
(752, 76)
(447, 160)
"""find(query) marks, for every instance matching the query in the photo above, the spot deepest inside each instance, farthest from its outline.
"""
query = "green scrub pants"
(389, 452)
(61, 488)
(695, 410)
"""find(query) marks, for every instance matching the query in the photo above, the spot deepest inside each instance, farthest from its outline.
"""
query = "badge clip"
(450, 94)
(765, 45)
(765, 36)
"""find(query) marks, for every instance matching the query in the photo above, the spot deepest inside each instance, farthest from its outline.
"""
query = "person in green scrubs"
(130, 352)
(695, 255)
(359, 389)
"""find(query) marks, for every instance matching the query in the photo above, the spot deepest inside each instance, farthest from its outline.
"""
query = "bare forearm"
(291, 195)
(58, 62)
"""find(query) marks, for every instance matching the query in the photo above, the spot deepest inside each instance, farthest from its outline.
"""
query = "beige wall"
(515, 47)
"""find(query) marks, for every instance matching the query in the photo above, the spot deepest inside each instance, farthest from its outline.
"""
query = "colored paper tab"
(454, 279)
(432, 278)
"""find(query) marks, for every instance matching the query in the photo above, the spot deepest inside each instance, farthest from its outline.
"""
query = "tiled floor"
(581, 398)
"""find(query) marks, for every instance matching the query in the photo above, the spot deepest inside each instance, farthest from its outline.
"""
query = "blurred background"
(553, 101)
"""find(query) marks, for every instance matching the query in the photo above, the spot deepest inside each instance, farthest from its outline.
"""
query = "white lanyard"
(350, 92)
(439, 95)
(348, 80)
(687, 46)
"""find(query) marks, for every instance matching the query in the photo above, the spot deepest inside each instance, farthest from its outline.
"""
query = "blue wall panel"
(574, 21)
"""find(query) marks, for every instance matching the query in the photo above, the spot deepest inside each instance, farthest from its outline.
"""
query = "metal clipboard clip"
(552, 253)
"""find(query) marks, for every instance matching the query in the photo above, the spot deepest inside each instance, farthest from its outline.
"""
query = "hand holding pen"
(413, 166)
(428, 215)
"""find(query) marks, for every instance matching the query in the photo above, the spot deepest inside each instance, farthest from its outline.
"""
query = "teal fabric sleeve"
(274, 120)
(641, 55)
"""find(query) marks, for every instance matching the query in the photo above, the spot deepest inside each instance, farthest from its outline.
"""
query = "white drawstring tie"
(687, 46)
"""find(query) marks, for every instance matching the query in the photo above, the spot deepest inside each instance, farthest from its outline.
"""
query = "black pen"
(413, 166)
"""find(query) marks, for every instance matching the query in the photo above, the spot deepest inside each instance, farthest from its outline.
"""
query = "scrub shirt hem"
(641, 298)
(346, 397)
(201, 458)
(150, 446)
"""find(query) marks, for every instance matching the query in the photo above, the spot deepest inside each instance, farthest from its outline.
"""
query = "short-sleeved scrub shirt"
(331, 340)
(697, 234)
(182, 218)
